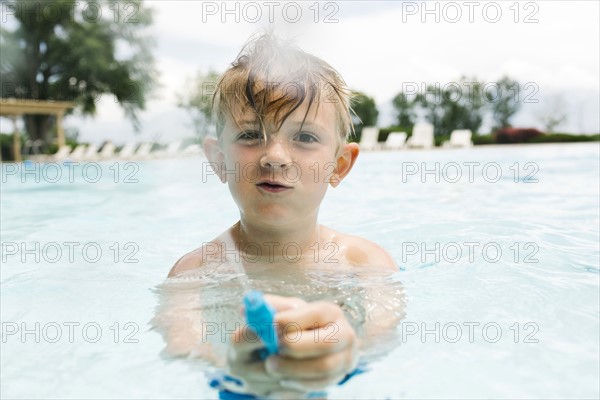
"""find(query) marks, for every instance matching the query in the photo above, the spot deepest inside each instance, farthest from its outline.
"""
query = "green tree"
(504, 102)
(197, 101)
(554, 113)
(430, 105)
(77, 51)
(457, 105)
(464, 106)
(405, 110)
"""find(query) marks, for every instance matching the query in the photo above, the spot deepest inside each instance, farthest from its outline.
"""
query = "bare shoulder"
(360, 251)
(192, 260)
(367, 253)
(209, 252)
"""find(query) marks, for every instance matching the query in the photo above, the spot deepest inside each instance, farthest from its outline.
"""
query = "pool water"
(498, 249)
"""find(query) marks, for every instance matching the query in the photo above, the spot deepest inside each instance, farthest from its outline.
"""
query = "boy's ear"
(345, 162)
(215, 156)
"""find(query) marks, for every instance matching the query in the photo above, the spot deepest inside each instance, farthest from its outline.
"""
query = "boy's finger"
(281, 303)
(309, 316)
(331, 338)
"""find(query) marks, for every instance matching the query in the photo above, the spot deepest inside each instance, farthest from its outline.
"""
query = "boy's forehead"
(320, 115)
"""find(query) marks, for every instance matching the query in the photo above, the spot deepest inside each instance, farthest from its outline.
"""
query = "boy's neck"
(273, 242)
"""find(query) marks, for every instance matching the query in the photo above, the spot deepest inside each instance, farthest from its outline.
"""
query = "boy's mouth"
(272, 187)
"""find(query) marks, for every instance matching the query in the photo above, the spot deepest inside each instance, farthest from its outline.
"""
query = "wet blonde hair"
(274, 78)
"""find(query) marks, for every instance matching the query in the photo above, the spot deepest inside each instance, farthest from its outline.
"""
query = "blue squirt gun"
(260, 316)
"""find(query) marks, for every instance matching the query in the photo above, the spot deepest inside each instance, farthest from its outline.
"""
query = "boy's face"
(282, 180)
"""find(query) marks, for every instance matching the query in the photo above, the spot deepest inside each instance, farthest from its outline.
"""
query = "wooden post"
(18, 107)
(16, 140)
(60, 134)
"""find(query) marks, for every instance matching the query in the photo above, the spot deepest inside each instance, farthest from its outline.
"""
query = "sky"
(379, 48)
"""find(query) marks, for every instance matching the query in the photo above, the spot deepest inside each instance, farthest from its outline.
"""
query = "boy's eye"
(250, 135)
(306, 137)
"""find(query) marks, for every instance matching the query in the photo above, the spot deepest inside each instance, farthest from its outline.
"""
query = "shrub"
(565, 137)
(6, 146)
(516, 135)
(483, 139)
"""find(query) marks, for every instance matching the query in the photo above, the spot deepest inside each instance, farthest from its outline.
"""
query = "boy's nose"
(276, 154)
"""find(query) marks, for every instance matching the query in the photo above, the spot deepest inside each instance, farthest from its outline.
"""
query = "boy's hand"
(317, 348)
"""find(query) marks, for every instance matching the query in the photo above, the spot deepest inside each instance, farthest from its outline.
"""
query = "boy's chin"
(273, 216)
(275, 219)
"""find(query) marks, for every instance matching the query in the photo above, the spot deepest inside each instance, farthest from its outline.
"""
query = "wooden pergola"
(14, 108)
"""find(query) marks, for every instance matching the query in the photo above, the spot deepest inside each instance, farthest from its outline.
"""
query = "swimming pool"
(498, 248)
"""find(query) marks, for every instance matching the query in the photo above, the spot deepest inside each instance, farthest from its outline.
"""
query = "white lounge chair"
(33, 147)
(172, 150)
(192, 150)
(127, 151)
(78, 153)
(143, 152)
(459, 138)
(368, 138)
(108, 151)
(395, 141)
(91, 153)
(62, 153)
(422, 136)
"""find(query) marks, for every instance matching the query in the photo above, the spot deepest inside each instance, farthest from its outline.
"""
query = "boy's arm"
(385, 300)
(385, 311)
(178, 317)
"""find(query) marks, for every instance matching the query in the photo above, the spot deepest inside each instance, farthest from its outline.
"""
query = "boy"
(283, 117)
